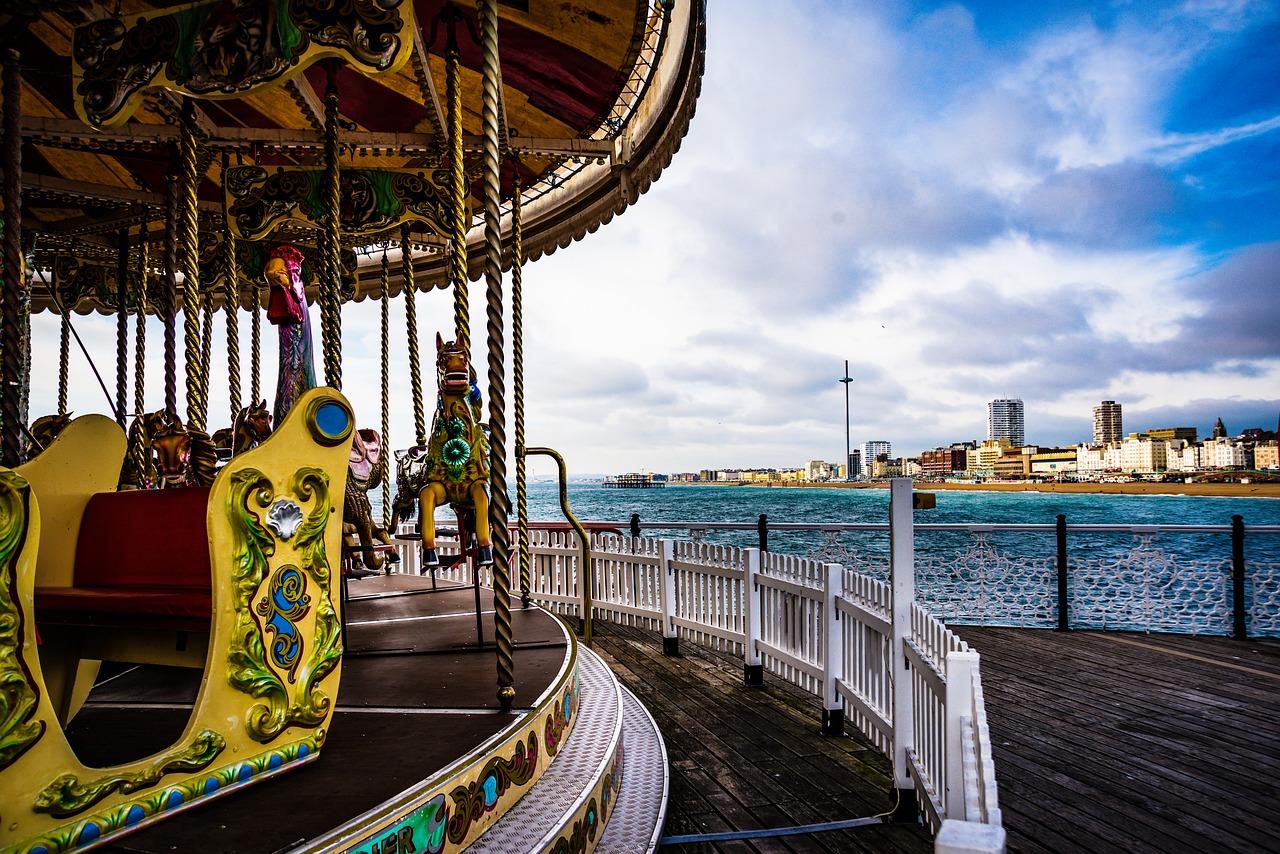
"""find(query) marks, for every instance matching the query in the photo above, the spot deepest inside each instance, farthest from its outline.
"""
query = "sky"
(1063, 202)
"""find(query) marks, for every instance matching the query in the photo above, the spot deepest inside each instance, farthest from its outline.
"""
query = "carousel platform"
(419, 756)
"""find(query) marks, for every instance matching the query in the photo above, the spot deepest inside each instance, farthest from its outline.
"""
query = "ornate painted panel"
(228, 48)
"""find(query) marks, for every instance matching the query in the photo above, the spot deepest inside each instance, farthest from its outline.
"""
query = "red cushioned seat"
(142, 559)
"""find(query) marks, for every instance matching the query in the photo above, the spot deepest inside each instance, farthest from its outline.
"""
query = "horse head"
(366, 453)
(47, 427)
(453, 368)
(171, 445)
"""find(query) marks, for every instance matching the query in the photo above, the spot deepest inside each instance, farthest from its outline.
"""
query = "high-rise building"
(1107, 424)
(1004, 421)
(871, 450)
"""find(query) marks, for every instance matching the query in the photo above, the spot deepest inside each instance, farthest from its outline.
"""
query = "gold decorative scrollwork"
(18, 697)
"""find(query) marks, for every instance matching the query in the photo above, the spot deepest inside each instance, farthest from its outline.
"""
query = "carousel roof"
(596, 98)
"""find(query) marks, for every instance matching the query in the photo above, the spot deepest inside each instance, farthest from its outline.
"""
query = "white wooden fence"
(865, 648)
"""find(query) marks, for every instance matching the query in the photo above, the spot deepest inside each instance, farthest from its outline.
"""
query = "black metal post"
(1239, 627)
(762, 527)
(635, 524)
(1064, 605)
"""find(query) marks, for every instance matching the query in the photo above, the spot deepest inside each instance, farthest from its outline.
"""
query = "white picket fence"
(840, 635)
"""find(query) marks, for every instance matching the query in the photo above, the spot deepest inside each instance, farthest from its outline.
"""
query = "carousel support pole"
(170, 308)
(517, 384)
(499, 503)
(64, 361)
(232, 305)
(206, 348)
(411, 324)
(255, 346)
(383, 463)
(12, 345)
(331, 306)
(136, 451)
(458, 172)
(122, 326)
(189, 215)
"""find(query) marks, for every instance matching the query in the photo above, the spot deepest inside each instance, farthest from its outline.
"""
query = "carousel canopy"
(595, 100)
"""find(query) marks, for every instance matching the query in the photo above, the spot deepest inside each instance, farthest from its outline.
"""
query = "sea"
(591, 502)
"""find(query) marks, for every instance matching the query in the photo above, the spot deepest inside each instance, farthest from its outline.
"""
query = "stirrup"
(430, 560)
(484, 557)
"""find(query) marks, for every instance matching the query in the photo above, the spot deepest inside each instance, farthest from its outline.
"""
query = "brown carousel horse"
(358, 527)
(177, 456)
(252, 424)
(453, 468)
(44, 430)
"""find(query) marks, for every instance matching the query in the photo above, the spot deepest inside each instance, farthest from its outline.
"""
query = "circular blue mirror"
(332, 420)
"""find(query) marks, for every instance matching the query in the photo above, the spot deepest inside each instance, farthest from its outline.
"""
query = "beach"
(1234, 490)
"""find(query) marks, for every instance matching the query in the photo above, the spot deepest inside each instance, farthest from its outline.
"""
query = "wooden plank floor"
(1103, 742)
(752, 758)
(1132, 742)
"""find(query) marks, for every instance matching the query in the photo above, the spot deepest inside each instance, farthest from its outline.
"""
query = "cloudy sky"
(1063, 202)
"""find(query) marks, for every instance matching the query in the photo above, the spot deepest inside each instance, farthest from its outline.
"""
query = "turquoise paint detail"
(135, 815)
(275, 761)
(490, 787)
(211, 785)
(244, 773)
(303, 751)
(90, 833)
(174, 800)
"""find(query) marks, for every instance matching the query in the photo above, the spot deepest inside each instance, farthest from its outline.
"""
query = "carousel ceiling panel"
(573, 71)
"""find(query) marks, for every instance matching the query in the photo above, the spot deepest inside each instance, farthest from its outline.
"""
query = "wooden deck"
(1103, 742)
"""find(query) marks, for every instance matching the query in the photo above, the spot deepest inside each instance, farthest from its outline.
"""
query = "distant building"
(1222, 453)
(1091, 459)
(1054, 461)
(1143, 455)
(990, 451)
(1266, 456)
(1107, 423)
(871, 450)
(941, 462)
(1219, 430)
(853, 465)
(1186, 434)
(1005, 421)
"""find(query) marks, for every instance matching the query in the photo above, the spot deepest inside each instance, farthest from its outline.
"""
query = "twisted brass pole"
(189, 216)
(517, 384)
(255, 347)
(170, 308)
(206, 347)
(64, 362)
(11, 337)
(383, 463)
(122, 325)
(500, 502)
(136, 450)
(458, 172)
(411, 332)
(331, 307)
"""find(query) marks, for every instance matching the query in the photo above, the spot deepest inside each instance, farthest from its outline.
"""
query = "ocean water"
(744, 504)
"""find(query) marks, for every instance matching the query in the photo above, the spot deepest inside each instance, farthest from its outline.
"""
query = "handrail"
(583, 539)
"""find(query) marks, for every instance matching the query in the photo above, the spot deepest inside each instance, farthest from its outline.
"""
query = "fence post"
(667, 572)
(762, 528)
(1240, 627)
(903, 583)
(1064, 605)
(959, 700)
(833, 655)
(635, 524)
(752, 665)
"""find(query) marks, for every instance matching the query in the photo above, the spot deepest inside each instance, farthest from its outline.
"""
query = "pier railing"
(863, 646)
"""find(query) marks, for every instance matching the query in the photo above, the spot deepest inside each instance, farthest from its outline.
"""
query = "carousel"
(209, 637)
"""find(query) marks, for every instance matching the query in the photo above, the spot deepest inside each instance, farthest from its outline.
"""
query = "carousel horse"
(453, 468)
(44, 430)
(358, 527)
(252, 424)
(183, 456)
(287, 310)
(144, 428)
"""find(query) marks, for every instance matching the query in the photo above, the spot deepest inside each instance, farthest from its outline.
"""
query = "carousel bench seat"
(142, 561)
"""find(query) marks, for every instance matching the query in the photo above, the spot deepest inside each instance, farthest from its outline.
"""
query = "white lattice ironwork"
(1262, 595)
(834, 550)
(1147, 589)
(983, 584)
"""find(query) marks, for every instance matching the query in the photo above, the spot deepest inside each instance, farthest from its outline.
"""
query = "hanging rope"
(331, 306)
(458, 172)
(122, 326)
(64, 363)
(386, 393)
(411, 330)
(232, 305)
(137, 451)
(189, 215)
(500, 504)
(517, 385)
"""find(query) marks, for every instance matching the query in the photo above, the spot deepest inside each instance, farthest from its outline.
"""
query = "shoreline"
(1218, 490)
